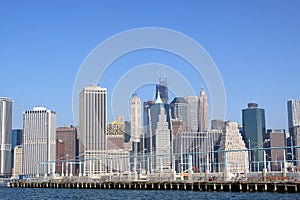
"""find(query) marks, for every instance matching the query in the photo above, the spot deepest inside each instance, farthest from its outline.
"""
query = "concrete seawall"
(283, 187)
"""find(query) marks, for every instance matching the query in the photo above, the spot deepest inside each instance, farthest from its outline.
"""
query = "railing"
(211, 165)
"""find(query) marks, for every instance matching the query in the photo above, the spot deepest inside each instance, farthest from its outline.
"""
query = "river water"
(45, 193)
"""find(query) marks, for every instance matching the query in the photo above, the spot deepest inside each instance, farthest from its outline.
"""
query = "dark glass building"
(254, 129)
(162, 88)
(179, 107)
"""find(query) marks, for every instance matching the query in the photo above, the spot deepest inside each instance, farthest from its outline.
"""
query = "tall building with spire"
(5, 136)
(162, 88)
(93, 117)
(203, 122)
(153, 117)
(162, 142)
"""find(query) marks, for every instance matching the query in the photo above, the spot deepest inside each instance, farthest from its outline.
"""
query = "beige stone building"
(236, 157)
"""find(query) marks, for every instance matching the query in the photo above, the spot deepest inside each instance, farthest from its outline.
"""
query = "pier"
(282, 187)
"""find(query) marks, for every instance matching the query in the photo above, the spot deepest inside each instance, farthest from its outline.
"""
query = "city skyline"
(255, 60)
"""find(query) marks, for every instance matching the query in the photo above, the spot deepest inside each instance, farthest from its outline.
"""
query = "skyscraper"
(293, 108)
(92, 114)
(162, 142)
(179, 108)
(135, 118)
(254, 128)
(153, 113)
(5, 136)
(192, 113)
(68, 137)
(203, 123)
(162, 88)
(39, 141)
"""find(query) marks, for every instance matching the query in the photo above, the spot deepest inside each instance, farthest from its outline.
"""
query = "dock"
(281, 187)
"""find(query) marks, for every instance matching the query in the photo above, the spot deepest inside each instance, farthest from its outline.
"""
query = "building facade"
(201, 145)
(5, 136)
(162, 142)
(18, 161)
(192, 113)
(230, 160)
(275, 138)
(17, 137)
(203, 118)
(217, 124)
(179, 108)
(92, 123)
(67, 139)
(153, 118)
(39, 141)
(162, 89)
(254, 129)
(293, 109)
(135, 118)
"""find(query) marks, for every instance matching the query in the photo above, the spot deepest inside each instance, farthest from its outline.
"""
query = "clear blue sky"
(255, 44)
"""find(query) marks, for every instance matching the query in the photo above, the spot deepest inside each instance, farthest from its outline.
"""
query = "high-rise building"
(162, 142)
(135, 118)
(231, 139)
(93, 116)
(18, 161)
(179, 108)
(39, 141)
(127, 135)
(275, 139)
(153, 113)
(295, 141)
(192, 113)
(17, 137)
(68, 136)
(217, 124)
(293, 108)
(162, 88)
(203, 123)
(254, 129)
(136, 125)
(5, 136)
(153, 117)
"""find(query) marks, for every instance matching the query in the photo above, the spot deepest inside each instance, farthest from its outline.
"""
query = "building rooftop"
(179, 100)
